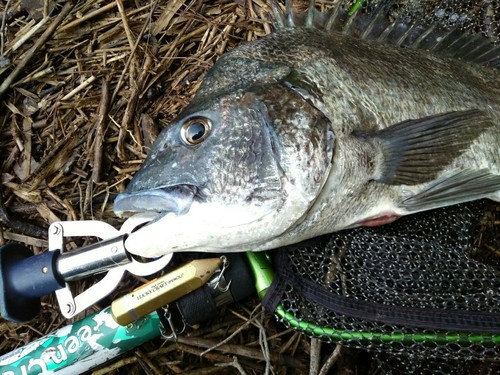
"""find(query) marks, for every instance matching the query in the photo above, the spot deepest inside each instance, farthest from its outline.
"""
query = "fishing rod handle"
(24, 278)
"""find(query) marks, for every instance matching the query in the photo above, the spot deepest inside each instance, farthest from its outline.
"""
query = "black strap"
(436, 319)
(275, 292)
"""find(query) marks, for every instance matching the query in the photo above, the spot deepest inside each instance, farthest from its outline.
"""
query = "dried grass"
(87, 86)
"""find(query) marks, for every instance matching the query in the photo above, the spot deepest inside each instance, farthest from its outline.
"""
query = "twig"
(141, 356)
(230, 337)
(25, 239)
(116, 365)
(296, 337)
(30, 33)
(55, 159)
(130, 111)
(2, 27)
(149, 130)
(166, 16)
(129, 60)
(264, 344)
(218, 359)
(315, 357)
(102, 120)
(87, 17)
(36, 75)
(28, 138)
(38, 44)
(241, 350)
(82, 86)
(126, 27)
(224, 35)
(234, 364)
(331, 360)
(166, 60)
(129, 360)
(23, 227)
(128, 66)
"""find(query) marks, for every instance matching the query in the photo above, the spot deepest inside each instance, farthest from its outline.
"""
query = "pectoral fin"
(460, 187)
(416, 151)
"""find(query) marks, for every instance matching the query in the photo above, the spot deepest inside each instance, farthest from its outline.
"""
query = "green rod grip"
(81, 346)
(262, 271)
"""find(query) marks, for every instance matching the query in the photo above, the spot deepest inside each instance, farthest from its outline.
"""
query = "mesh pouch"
(411, 292)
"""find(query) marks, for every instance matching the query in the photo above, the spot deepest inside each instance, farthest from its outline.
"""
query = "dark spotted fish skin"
(311, 132)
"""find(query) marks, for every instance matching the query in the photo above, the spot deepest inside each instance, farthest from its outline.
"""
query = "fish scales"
(342, 66)
(305, 132)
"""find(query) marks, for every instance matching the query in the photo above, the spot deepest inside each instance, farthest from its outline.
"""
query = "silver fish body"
(306, 132)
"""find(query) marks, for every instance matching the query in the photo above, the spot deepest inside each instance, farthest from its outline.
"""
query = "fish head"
(232, 168)
(221, 153)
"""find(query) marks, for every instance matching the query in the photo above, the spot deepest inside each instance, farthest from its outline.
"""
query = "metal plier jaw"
(107, 255)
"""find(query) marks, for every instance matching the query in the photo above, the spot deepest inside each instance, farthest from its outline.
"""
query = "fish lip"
(176, 199)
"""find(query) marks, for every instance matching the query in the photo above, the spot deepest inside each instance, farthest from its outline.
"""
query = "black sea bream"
(310, 131)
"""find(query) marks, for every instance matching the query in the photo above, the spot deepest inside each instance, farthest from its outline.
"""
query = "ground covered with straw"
(85, 88)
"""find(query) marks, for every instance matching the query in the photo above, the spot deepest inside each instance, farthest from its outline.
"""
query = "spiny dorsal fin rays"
(399, 42)
(466, 46)
(334, 17)
(444, 41)
(482, 46)
(279, 22)
(351, 21)
(490, 57)
(311, 18)
(375, 25)
(309, 21)
(283, 20)
(435, 37)
(459, 43)
(383, 36)
(289, 13)
(377, 19)
(418, 42)
(475, 48)
(453, 43)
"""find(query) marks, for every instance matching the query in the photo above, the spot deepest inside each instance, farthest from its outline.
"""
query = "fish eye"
(195, 130)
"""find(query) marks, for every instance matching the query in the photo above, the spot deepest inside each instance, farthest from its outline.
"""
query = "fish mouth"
(176, 199)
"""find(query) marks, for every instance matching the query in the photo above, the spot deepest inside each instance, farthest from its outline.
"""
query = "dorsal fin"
(358, 21)
(334, 20)
(336, 17)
